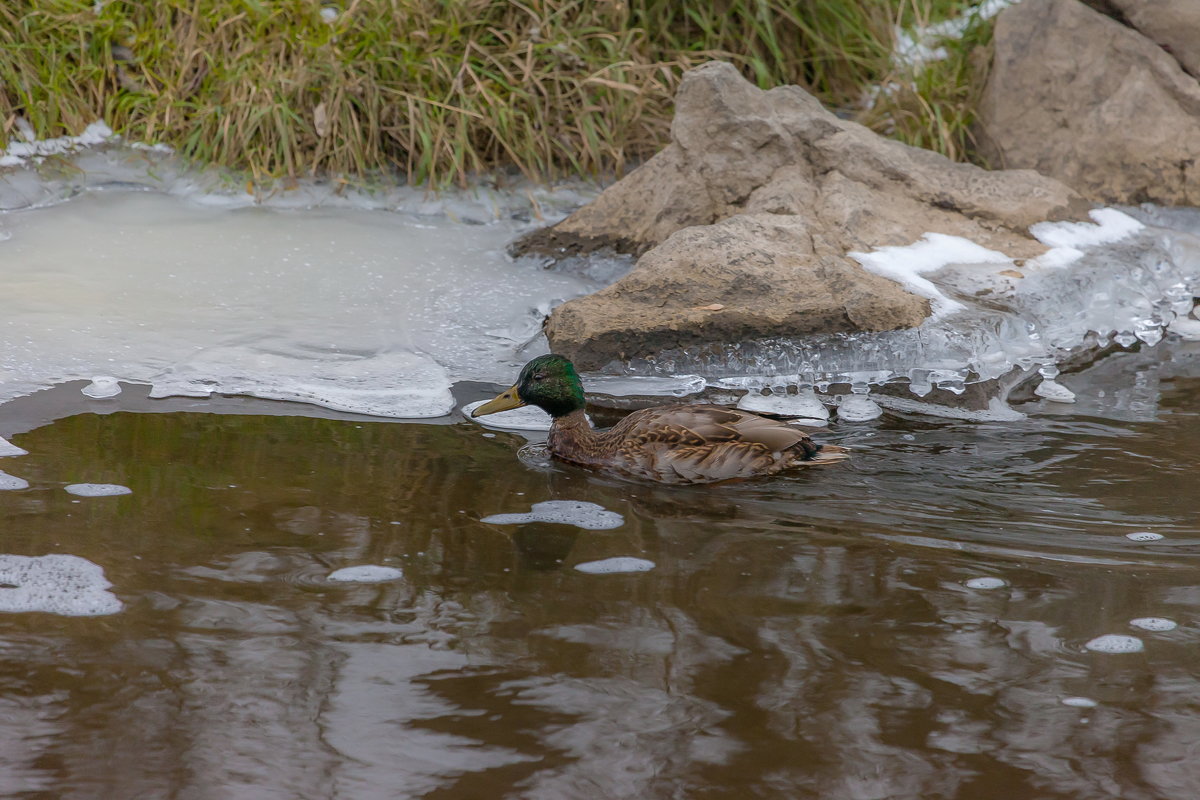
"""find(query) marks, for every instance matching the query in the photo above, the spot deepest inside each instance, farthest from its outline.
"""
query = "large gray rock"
(754, 207)
(746, 277)
(1081, 97)
(1171, 24)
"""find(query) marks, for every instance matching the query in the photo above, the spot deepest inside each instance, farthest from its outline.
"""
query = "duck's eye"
(539, 375)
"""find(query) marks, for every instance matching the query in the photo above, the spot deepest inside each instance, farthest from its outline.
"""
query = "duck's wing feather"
(708, 424)
(707, 463)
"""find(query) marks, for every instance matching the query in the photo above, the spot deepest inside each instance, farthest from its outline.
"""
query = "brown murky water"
(807, 637)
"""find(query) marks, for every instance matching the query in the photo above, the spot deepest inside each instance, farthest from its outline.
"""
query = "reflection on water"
(817, 636)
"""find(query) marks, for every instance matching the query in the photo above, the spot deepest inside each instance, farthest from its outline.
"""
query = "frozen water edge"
(361, 311)
(377, 302)
(1116, 279)
(360, 302)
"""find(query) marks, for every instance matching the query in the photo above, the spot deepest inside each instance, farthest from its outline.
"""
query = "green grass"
(442, 89)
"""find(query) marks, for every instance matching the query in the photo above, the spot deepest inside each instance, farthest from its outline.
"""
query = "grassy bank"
(440, 89)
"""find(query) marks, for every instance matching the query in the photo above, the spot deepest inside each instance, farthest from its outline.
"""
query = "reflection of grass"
(440, 88)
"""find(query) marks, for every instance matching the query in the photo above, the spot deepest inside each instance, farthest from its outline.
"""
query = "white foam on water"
(985, 583)
(364, 311)
(56, 584)
(615, 565)
(525, 418)
(9, 483)
(931, 252)
(366, 573)
(97, 489)
(1115, 643)
(1143, 536)
(102, 386)
(1079, 702)
(1159, 624)
(588, 516)
(7, 448)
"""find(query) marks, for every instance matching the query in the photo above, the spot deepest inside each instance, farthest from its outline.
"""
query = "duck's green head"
(548, 382)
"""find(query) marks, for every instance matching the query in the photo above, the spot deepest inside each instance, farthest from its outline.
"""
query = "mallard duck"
(668, 444)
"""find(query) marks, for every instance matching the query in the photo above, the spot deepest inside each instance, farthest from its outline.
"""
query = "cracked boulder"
(745, 223)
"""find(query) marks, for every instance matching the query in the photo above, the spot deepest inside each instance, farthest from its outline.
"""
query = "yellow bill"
(503, 402)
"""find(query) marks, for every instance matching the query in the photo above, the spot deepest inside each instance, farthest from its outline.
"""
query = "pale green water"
(802, 637)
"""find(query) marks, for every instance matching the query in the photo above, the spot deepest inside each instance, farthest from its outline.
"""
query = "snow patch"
(18, 153)
(905, 265)
(1065, 239)
(917, 46)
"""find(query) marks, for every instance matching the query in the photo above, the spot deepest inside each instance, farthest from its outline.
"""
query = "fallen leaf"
(320, 121)
(1011, 273)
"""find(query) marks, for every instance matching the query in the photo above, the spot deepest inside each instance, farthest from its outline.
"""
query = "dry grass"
(437, 89)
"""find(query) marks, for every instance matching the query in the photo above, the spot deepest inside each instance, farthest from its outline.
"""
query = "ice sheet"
(364, 311)
(1114, 279)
